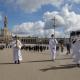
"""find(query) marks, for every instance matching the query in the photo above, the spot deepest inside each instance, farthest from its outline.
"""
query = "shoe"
(18, 62)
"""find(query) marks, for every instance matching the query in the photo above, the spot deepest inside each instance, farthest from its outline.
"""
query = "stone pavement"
(37, 66)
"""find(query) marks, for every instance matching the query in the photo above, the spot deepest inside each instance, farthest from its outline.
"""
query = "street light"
(54, 25)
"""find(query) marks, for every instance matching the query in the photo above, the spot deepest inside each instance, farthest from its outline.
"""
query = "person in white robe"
(17, 56)
(52, 45)
(76, 52)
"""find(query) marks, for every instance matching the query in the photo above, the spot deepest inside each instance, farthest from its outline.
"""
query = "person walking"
(68, 46)
(52, 45)
(76, 52)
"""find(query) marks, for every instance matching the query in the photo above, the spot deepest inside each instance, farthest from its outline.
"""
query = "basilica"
(5, 34)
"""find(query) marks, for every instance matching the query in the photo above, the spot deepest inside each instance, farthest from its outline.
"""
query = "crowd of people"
(38, 48)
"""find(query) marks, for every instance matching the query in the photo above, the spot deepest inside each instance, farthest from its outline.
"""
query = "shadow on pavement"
(69, 66)
(63, 58)
(39, 61)
(5, 63)
(46, 60)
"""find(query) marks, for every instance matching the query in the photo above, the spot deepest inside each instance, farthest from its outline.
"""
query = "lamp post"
(54, 25)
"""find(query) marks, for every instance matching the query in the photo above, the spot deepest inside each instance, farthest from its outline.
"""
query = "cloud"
(58, 34)
(66, 17)
(71, 19)
(76, 1)
(49, 20)
(35, 29)
(73, 29)
(30, 28)
(23, 28)
(32, 5)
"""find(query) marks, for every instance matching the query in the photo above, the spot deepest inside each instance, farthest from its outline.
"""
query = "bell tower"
(5, 26)
(5, 22)
(6, 33)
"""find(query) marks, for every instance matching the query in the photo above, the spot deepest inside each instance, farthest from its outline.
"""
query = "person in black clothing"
(68, 48)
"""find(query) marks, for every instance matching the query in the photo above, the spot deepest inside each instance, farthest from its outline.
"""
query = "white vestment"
(52, 45)
(17, 51)
(76, 52)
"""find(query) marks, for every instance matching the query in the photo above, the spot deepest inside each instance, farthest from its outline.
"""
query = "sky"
(35, 17)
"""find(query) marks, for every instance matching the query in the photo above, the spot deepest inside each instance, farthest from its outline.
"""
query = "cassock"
(17, 50)
(76, 52)
(52, 45)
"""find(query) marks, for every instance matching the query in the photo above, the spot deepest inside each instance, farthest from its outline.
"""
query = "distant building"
(34, 40)
(5, 35)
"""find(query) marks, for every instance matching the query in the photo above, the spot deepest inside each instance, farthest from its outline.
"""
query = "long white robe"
(17, 51)
(76, 52)
(52, 45)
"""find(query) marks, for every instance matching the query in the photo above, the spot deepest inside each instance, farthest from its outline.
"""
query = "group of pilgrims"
(36, 48)
(73, 48)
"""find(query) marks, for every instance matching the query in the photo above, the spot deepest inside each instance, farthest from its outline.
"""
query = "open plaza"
(37, 66)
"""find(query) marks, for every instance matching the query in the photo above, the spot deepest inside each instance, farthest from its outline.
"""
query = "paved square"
(37, 66)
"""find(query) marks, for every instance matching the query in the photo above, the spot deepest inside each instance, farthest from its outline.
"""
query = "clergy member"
(17, 56)
(52, 45)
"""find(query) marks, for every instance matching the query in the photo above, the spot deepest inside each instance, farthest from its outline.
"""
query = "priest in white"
(52, 45)
(17, 56)
(76, 52)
